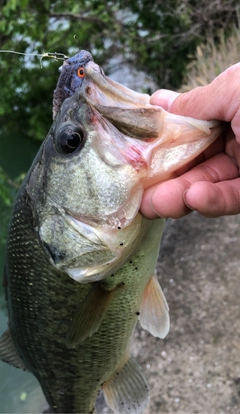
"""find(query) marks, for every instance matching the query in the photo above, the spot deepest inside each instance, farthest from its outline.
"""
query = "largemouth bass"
(80, 262)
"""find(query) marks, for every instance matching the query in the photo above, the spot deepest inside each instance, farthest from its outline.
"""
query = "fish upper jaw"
(105, 91)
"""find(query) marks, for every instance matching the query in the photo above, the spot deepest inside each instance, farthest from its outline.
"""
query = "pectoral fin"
(89, 315)
(8, 352)
(127, 390)
(154, 316)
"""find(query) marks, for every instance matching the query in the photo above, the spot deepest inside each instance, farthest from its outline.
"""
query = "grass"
(211, 59)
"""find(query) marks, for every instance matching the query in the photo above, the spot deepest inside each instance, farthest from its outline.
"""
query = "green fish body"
(80, 263)
(42, 302)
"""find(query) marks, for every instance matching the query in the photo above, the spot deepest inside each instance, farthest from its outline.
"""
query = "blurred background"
(145, 45)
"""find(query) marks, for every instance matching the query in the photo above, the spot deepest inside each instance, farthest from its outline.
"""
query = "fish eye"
(70, 140)
(81, 72)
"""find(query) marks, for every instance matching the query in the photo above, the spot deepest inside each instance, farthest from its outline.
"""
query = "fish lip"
(98, 88)
(114, 101)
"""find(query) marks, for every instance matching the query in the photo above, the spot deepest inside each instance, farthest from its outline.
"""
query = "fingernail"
(164, 98)
(152, 203)
(185, 200)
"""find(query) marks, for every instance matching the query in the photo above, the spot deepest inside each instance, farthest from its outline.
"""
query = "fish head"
(85, 195)
(106, 145)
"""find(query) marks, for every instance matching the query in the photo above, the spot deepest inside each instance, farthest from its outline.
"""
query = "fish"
(80, 260)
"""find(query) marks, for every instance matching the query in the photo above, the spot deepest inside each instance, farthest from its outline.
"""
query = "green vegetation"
(211, 59)
(155, 37)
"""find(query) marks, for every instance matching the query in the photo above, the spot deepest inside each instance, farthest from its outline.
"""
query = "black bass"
(80, 263)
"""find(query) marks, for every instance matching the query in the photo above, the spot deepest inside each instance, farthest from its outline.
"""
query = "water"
(19, 390)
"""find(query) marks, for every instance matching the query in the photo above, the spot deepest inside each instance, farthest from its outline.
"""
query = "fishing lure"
(51, 55)
(71, 77)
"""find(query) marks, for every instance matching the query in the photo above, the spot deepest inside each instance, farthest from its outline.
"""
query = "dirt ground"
(196, 369)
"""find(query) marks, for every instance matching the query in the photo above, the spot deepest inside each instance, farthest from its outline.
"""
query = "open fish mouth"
(128, 145)
(145, 136)
(130, 111)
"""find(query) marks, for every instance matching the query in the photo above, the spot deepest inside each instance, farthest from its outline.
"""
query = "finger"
(163, 98)
(218, 100)
(167, 199)
(214, 200)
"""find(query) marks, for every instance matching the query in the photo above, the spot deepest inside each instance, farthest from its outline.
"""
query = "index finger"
(167, 199)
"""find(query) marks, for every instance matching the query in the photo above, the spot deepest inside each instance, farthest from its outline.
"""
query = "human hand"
(211, 183)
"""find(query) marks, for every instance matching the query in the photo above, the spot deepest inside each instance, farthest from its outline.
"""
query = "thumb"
(163, 98)
(219, 100)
